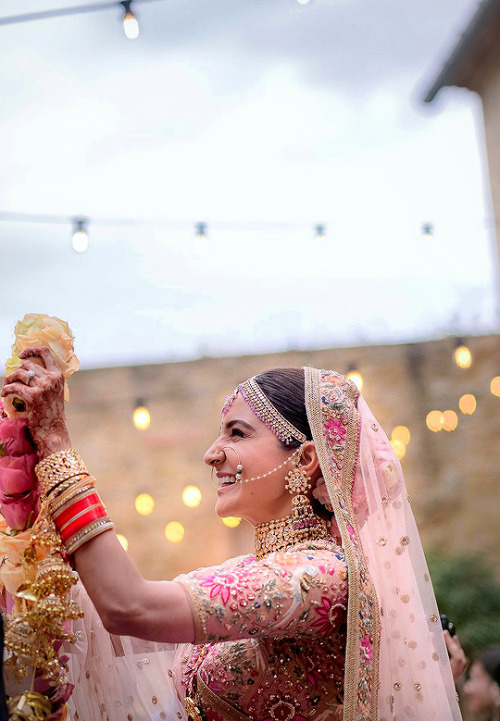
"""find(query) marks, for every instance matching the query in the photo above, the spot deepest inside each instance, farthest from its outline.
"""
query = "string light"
(231, 521)
(435, 421)
(200, 245)
(130, 24)
(141, 416)
(80, 238)
(398, 447)
(462, 354)
(450, 420)
(191, 496)
(123, 541)
(320, 232)
(495, 386)
(174, 532)
(356, 377)
(467, 404)
(144, 504)
(401, 434)
(427, 231)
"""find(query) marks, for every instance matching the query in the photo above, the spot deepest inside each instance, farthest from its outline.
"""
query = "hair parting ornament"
(260, 404)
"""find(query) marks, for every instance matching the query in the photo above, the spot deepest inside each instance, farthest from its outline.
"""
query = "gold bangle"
(91, 531)
(58, 467)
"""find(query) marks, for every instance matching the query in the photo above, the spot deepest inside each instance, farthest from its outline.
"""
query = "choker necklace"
(282, 534)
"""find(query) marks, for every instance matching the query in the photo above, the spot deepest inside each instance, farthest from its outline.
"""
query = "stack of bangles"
(72, 502)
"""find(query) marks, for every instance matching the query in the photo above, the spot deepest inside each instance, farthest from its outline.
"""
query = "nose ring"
(239, 467)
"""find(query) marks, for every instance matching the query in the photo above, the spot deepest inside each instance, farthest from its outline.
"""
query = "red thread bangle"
(84, 520)
(78, 505)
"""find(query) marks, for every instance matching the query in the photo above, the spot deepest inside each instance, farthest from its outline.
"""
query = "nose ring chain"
(239, 467)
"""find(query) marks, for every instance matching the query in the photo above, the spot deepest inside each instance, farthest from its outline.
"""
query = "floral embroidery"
(328, 613)
(335, 430)
(262, 623)
(220, 583)
(366, 647)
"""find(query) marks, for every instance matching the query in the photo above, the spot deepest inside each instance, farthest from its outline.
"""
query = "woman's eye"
(237, 432)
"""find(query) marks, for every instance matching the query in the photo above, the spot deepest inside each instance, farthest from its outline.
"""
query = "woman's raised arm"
(127, 603)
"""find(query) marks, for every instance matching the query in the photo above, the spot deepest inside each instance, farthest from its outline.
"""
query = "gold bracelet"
(58, 467)
(91, 531)
(69, 490)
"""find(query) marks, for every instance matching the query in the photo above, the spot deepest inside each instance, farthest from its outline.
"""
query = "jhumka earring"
(297, 482)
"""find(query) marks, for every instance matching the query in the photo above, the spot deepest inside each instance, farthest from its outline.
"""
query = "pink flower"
(19, 502)
(15, 437)
(366, 648)
(220, 583)
(335, 431)
(327, 612)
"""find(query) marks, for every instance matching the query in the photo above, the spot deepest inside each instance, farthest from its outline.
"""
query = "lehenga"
(314, 631)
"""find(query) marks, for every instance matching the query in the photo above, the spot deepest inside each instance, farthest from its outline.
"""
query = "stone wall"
(453, 478)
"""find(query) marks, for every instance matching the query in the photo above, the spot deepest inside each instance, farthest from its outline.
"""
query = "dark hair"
(285, 389)
(490, 660)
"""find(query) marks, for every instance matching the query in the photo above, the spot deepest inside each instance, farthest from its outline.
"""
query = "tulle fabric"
(397, 666)
(118, 678)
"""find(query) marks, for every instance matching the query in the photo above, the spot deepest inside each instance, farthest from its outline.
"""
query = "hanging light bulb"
(356, 377)
(427, 231)
(130, 24)
(141, 416)
(320, 232)
(200, 245)
(80, 238)
(462, 354)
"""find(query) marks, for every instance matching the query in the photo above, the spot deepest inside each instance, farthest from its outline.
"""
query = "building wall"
(453, 478)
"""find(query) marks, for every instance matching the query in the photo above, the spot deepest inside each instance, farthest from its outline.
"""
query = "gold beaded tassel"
(41, 607)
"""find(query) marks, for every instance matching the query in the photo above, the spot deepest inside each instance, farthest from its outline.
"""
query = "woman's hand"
(40, 384)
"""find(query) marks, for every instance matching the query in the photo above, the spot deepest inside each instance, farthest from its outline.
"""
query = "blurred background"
(214, 188)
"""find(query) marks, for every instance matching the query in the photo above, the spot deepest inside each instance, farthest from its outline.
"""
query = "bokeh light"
(450, 420)
(435, 421)
(144, 504)
(141, 418)
(495, 386)
(402, 434)
(356, 378)
(467, 404)
(231, 521)
(463, 356)
(122, 540)
(174, 532)
(191, 496)
(399, 448)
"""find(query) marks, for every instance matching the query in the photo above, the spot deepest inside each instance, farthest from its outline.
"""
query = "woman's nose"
(214, 454)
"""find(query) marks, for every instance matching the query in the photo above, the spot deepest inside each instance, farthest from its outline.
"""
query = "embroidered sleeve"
(284, 595)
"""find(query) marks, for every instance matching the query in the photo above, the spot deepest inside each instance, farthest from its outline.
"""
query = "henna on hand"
(44, 399)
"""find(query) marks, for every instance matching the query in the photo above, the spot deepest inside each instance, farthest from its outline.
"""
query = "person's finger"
(21, 390)
(20, 375)
(40, 352)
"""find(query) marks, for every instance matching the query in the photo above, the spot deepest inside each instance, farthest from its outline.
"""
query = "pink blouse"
(270, 636)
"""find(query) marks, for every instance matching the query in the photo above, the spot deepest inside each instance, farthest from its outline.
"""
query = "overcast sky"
(261, 118)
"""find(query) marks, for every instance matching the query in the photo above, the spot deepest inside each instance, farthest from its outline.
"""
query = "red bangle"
(68, 512)
(79, 523)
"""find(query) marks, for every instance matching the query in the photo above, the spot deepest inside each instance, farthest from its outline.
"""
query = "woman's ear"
(309, 459)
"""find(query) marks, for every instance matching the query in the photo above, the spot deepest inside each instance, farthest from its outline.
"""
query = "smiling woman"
(333, 617)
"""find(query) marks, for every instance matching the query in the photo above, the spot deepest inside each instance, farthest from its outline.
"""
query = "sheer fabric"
(396, 663)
